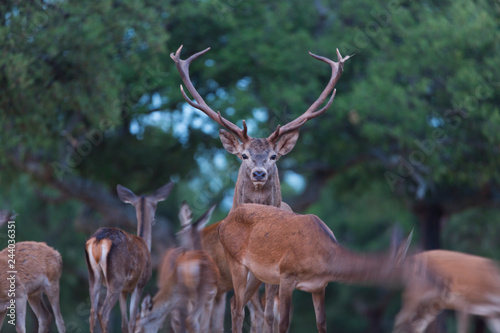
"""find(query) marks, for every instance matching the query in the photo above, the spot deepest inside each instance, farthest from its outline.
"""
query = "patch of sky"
(129, 34)
(260, 114)
(223, 39)
(182, 121)
(210, 97)
(145, 98)
(227, 202)
(177, 121)
(134, 127)
(220, 161)
(209, 62)
(243, 83)
(221, 93)
(212, 84)
(435, 121)
(294, 180)
(251, 125)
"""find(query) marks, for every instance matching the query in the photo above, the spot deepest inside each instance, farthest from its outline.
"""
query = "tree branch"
(321, 174)
(98, 198)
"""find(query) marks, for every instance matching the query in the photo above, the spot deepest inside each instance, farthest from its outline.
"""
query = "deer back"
(36, 264)
(475, 279)
(269, 237)
(123, 259)
(192, 275)
(272, 243)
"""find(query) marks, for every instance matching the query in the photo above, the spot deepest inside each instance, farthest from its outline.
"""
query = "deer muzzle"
(259, 176)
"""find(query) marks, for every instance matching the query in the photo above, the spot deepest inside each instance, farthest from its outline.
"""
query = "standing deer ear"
(185, 214)
(126, 195)
(6, 216)
(230, 142)
(146, 306)
(286, 142)
(204, 219)
(163, 192)
(399, 248)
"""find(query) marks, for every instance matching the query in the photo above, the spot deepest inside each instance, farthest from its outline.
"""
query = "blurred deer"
(187, 282)
(297, 252)
(465, 283)
(258, 179)
(38, 269)
(122, 261)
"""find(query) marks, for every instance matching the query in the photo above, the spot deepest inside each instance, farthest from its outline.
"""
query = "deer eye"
(244, 156)
(273, 157)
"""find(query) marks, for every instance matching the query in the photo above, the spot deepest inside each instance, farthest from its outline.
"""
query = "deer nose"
(259, 175)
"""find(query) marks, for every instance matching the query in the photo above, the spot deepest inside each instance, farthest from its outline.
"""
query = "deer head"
(190, 234)
(6, 215)
(187, 280)
(258, 180)
(145, 207)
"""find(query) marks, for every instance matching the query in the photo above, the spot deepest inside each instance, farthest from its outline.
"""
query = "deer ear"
(205, 218)
(286, 142)
(400, 248)
(146, 305)
(126, 195)
(185, 214)
(163, 192)
(6, 215)
(230, 142)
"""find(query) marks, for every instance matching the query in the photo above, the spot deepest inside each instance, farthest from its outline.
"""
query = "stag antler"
(183, 68)
(312, 112)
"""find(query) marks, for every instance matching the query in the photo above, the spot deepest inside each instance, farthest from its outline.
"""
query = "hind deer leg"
(53, 296)
(110, 301)
(41, 312)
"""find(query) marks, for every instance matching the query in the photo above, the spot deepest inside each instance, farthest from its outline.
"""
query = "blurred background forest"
(89, 98)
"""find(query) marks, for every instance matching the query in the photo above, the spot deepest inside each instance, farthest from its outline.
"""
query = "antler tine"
(242, 134)
(183, 68)
(312, 111)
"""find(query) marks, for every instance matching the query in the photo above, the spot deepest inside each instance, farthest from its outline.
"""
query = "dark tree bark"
(430, 216)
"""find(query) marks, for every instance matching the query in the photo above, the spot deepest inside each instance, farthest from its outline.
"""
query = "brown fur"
(258, 180)
(38, 269)
(126, 268)
(185, 277)
(122, 261)
(465, 283)
(296, 252)
(258, 152)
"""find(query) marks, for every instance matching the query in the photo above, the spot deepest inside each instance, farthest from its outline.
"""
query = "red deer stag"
(465, 283)
(187, 282)
(38, 269)
(258, 179)
(122, 261)
(296, 252)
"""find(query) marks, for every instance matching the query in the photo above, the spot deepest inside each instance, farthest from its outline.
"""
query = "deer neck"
(155, 318)
(144, 225)
(350, 267)
(246, 192)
